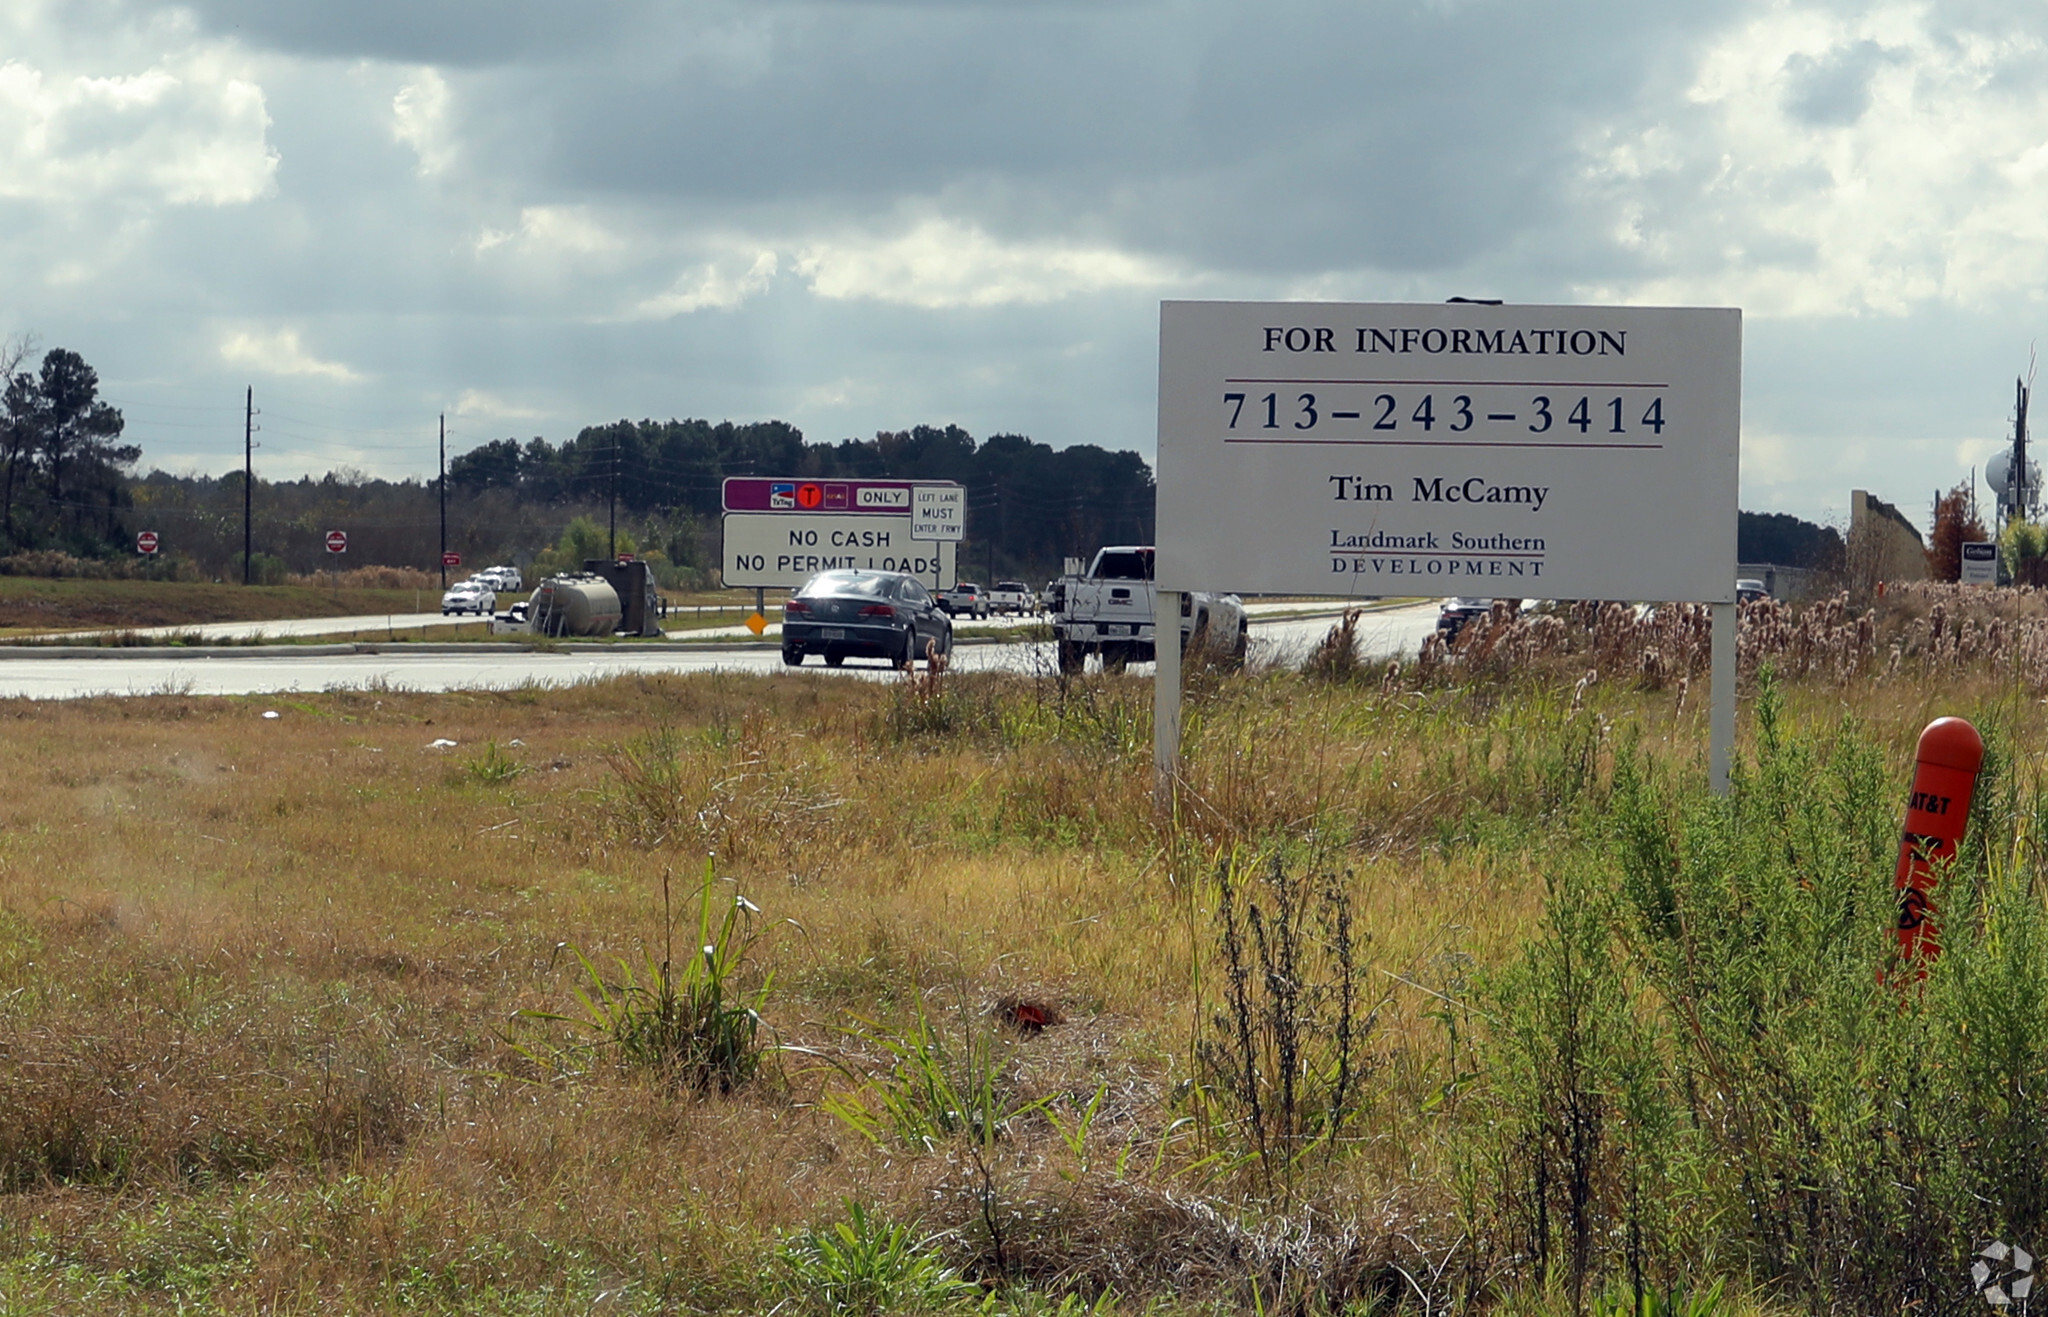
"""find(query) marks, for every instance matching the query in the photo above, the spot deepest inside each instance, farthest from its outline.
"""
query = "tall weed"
(1284, 1059)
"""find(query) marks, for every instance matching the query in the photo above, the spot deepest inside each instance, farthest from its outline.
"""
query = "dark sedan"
(1457, 612)
(885, 615)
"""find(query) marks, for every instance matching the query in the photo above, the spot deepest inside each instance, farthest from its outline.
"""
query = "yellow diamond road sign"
(757, 624)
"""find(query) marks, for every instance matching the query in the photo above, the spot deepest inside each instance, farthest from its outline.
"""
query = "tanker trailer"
(576, 604)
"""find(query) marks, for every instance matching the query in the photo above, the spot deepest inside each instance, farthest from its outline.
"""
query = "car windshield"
(967, 587)
(870, 584)
(1124, 565)
(1014, 587)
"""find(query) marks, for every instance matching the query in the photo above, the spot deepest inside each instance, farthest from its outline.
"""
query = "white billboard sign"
(940, 513)
(781, 550)
(1980, 562)
(1426, 449)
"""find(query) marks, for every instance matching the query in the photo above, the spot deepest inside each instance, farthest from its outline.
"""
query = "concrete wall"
(1883, 544)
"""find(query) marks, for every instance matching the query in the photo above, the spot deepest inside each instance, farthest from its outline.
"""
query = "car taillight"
(878, 610)
(796, 606)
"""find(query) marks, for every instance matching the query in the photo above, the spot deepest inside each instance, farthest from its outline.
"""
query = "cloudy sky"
(855, 215)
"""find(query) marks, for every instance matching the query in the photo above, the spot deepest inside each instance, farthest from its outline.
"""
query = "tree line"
(1029, 505)
(67, 483)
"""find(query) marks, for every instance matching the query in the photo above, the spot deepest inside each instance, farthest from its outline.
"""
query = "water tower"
(1998, 475)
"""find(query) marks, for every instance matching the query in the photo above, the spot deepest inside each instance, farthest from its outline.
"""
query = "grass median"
(715, 993)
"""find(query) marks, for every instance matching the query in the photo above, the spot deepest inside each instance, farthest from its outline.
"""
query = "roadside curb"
(67, 652)
(481, 647)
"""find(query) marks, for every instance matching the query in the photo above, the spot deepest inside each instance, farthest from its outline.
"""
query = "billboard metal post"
(1165, 700)
(1721, 717)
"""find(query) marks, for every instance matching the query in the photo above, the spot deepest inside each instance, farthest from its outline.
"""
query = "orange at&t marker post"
(1944, 778)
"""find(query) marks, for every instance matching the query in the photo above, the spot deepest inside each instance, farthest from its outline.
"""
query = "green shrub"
(689, 1022)
(1712, 1057)
(864, 1266)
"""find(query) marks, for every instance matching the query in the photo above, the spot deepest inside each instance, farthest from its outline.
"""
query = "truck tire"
(1242, 647)
(1116, 657)
(1072, 657)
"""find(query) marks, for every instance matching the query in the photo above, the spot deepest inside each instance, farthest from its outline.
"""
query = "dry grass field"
(719, 994)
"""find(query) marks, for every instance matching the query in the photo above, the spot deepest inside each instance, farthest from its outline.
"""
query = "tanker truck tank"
(577, 604)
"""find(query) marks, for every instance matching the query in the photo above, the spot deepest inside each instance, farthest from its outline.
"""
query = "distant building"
(1883, 544)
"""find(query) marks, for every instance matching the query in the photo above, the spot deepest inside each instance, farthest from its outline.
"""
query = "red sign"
(625, 558)
(810, 497)
(451, 560)
(145, 541)
(337, 541)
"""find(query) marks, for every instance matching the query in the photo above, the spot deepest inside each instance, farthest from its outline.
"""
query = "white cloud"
(711, 287)
(943, 263)
(419, 118)
(551, 231)
(1827, 164)
(188, 131)
(489, 406)
(279, 352)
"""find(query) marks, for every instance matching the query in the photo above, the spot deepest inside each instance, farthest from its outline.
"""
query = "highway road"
(248, 671)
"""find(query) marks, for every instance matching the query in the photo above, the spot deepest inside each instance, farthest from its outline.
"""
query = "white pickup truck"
(1011, 597)
(1108, 610)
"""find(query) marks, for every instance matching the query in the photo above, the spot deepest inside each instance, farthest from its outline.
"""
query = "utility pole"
(444, 502)
(2019, 452)
(248, 480)
(615, 501)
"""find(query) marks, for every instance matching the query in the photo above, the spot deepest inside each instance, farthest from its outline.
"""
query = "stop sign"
(337, 541)
(145, 541)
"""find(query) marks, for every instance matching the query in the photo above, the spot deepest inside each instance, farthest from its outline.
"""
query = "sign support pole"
(1721, 719)
(1165, 699)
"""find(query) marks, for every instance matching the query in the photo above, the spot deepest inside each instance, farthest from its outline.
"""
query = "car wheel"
(909, 660)
(1115, 658)
(945, 649)
(1243, 646)
(833, 658)
(792, 657)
